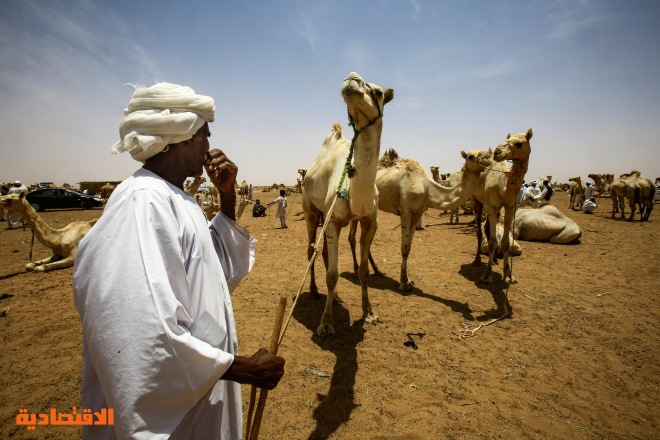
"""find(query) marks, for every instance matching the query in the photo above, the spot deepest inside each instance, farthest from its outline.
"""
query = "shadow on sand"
(334, 409)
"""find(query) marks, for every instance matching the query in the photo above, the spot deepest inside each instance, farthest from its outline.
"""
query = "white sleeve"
(235, 247)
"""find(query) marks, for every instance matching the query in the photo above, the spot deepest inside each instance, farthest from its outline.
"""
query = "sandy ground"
(577, 358)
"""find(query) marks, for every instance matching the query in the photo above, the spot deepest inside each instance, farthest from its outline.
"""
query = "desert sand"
(577, 358)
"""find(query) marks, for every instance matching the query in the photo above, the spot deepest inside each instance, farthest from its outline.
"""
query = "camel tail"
(638, 194)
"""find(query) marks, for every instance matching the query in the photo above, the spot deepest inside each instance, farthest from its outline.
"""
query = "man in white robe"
(152, 285)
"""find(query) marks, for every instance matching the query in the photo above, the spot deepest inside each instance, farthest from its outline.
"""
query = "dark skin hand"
(262, 369)
(222, 173)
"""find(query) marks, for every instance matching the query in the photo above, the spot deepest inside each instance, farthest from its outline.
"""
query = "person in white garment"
(152, 283)
(281, 208)
(589, 206)
(588, 191)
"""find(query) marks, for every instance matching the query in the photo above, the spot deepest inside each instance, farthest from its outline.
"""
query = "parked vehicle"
(59, 198)
(656, 196)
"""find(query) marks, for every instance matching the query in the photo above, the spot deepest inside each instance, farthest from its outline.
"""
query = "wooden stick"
(253, 431)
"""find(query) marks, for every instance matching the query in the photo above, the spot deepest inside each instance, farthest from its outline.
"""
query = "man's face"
(194, 152)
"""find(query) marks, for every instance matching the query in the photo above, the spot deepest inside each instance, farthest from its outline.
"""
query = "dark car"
(58, 198)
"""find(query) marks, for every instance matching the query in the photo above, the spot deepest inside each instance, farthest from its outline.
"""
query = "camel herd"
(348, 183)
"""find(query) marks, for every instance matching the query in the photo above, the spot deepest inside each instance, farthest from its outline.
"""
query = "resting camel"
(498, 188)
(546, 223)
(365, 103)
(576, 192)
(404, 189)
(514, 248)
(621, 188)
(63, 242)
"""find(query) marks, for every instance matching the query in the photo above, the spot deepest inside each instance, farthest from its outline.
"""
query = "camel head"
(476, 160)
(302, 172)
(365, 100)
(515, 147)
(577, 179)
(14, 202)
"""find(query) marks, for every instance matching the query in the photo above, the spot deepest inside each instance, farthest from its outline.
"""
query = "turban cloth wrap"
(160, 115)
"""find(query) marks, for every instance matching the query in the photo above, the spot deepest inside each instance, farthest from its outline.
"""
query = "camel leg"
(35, 266)
(351, 241)
(60, 264)
(408, 223)
(487, 277)
(326, 328)
(615, 203)
(369, 228)
(311, 219)
(508, 220)
(478, 208)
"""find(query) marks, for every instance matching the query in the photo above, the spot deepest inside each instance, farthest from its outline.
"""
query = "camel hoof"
(406, 287)
(326, 330)
(486, 279)
(314, 294)
(30, 267)
(372, 319)
(40, 269)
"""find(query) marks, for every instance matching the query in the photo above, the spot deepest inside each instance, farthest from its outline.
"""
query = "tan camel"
(211, 205)
(448, 181)
(243, 190)
(192, 186)
(647, 193)
(546, 223)
(63, 242)
(576, 192)
(623, 187)
(406, 190)
(435, 172)
(302, 173)
(106, 191)
(365, 103)
(498, 188)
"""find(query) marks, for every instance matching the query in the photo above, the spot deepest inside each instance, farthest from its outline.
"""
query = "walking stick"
(253, 429)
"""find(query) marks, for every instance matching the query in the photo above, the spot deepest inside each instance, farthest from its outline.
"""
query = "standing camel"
(192, 187)
(576, 192)
(623, 187)
(404, 189)
(498, 188)
(63, 242)
(365, 103)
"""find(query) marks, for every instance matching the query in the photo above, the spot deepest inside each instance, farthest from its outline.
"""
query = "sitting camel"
(546, 223)
(498, 188)
(576, 192)
(63, 242)
(514, 249)
(357, 199)
(404, 189)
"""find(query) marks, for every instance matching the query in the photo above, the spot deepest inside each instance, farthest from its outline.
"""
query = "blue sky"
(584, 75)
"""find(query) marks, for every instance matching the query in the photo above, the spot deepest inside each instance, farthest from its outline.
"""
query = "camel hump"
(390, 158)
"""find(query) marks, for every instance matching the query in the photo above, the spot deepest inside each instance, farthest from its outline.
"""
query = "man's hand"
(221, 171)
(262, 369)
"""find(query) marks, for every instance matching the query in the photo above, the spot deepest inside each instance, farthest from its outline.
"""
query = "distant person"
(534, 191)
(281, 208)
(86, 191)
(258, 210)
(589, 205)
(544, 197)
(13, 219)
(250, 191)
(588, 191)
(522, 193)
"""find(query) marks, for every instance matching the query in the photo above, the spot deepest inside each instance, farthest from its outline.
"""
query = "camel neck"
(362, 194)
(41, 229)
(516, 177)
(442, 197)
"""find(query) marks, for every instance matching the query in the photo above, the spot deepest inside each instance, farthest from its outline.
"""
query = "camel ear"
(490, 151)
(464, 154)
(389, 95)
(529, 134)
(508, 136)
(22, 195)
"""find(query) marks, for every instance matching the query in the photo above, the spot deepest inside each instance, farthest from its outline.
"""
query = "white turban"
(160, 115)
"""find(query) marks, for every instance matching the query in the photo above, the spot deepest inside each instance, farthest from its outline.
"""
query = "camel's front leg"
(37, 266)
(487, 277)
(326, 328)
(408, 225)
(60, 264)
(478, 208)
(369, 227)
(351, 241)
(508, 221)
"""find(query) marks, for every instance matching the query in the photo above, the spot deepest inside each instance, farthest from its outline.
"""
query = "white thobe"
(152, 285)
